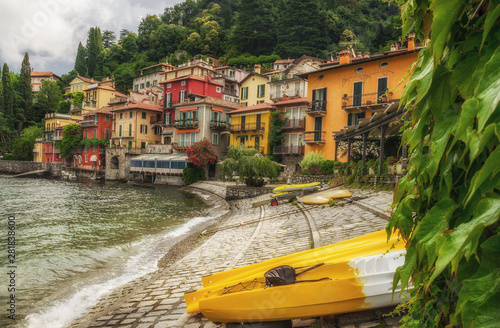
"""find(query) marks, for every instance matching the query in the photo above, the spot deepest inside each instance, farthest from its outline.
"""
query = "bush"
(328, 166)
(312, 162)
(191, 175)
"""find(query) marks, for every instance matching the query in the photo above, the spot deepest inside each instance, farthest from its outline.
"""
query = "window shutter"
(349, 120)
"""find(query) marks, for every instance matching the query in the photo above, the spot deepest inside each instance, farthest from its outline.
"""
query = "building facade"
(96, 126)
(254, 90)
(38, 77)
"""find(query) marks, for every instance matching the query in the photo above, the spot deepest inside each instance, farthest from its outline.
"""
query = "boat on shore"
(349, 276)
(296, 187)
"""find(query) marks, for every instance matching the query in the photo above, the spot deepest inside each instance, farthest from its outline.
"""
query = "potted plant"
(344, 100)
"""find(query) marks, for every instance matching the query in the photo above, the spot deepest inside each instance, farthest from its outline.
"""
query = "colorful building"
(80, 83)
(254, 90)
(98, 96)
(150, 78)
(53, 132)
(250, 126)
(352, 89)
(95, 125)
(132, 125)
(38, 77)
(230, 78)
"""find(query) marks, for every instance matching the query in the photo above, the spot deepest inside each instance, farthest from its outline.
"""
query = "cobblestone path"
(157, 300)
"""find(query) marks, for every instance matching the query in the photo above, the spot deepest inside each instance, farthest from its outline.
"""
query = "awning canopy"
(159, 157)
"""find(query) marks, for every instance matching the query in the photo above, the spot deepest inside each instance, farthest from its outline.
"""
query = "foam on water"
(60, 313)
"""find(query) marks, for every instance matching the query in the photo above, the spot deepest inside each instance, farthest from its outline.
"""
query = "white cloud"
(50, 30)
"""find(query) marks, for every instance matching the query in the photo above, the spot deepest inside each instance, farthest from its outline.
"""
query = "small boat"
(349, 276)
(296, 187)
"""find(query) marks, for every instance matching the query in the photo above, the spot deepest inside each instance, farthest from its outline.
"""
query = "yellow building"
(254, 89)
(98, 96)
(349, 90)
(38, 155)
(132, 125)
(80, 83)
(250, 126)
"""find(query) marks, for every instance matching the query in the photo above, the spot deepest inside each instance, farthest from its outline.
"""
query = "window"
(86, 133)
(86, 158)
(94, 148)
(357, 97)
(215, 139)
(169, 85)
(359, 69)
(136, 87)
(182, 96)
(381, 88)
(218, 89)
(147, 84)
(320, 77)
(143, 116)
(120, 132)
(121, 116)
(261, 90)
(244, 93)
(183, 82)
(130, 130)
(106, 117)
(142, 86)
(155, 82)
(106, 134)
(168, 100)
(85, 148)
(95, 133)
(131, 114)
(130, 146)
(143, 145)
(384, 64)
(157, 130)
(319, 99)
(144, 128)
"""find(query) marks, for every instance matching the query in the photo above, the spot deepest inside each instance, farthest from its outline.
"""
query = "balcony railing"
(365, 99)
(186, 124)
(35, 150)
(38, 139)
(57, 138)
(117, 100)
(314, 137)
(318, 107)
(247, 127)
(289, 150)
(295, 123)
(218, 125)
(168, 104)
(88, 123)
(231, 92)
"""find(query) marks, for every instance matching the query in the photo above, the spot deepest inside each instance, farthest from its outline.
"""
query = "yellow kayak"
(336, 194)
(296, 187)
(368, 245)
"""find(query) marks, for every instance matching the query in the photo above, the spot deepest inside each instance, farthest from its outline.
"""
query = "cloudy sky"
(50, 30)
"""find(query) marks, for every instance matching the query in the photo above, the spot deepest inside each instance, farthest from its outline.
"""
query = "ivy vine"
(447, 207)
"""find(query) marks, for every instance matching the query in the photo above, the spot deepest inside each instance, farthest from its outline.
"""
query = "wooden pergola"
(383, 122)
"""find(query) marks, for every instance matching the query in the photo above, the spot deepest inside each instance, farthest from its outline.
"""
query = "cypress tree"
(94, 47)
(25, 91)
(80, 62)
(302, 25)
(8, 97)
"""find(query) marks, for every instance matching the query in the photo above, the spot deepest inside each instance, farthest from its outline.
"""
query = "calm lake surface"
(77, 241)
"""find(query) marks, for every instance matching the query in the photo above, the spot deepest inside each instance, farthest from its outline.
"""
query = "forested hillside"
(235, 28)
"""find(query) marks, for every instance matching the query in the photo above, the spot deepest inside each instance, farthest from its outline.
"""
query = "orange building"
(351, 89)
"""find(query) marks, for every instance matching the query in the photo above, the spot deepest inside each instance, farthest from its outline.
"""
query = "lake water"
(77, 241)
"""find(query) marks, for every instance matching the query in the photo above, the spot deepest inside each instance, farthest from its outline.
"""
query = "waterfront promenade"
(157, 300)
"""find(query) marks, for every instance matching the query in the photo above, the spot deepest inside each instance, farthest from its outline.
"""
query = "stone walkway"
(157, 300)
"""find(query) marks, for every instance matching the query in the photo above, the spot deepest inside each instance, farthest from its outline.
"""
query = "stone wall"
(245, 192)
(18, 167)
(291, 164)
(118, 163)
(300, 179)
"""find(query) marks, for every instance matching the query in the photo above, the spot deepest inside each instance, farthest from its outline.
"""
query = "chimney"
(32, 69)
(345, 57)
(393, 47)
(411, 42)
(257, 68)
(285, 97)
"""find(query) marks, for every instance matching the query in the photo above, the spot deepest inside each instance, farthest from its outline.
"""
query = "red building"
(177, 90)
(52, 154)
(97, 124)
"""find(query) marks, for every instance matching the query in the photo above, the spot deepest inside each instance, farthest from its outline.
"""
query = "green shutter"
(120, 134)
(130, 130)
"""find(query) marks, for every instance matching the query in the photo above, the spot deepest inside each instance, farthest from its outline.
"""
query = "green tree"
(129, 44)
(25, 91)
(8, 97)
(276, 135)
(303, 29)
(124, 75)
(22, 148)
(94, 47)
(108, 39)
(46, 100)
(81, 60)
(148, 25)
(447, 207)
(249, 165)
(166, 40)
(72, 138)
(255, 30)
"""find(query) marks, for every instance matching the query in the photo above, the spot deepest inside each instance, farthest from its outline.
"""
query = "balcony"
(57, 138)
(314, 137)
(318, 107)
(247, 127)
(168, 104)
(295, 123)
(117, 100)
(288, 150)
(35, 150)
(231, 92)
(88, 123)
(186, 124)
(38, 139)
(366, 100)
(218, 125)
(155, 119)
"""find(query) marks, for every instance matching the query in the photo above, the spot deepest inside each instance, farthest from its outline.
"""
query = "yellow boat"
(343, 283)
(296, 187)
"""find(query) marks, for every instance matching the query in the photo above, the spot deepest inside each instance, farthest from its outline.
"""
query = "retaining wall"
(300, 179)
(244, 192)
(18, 167)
